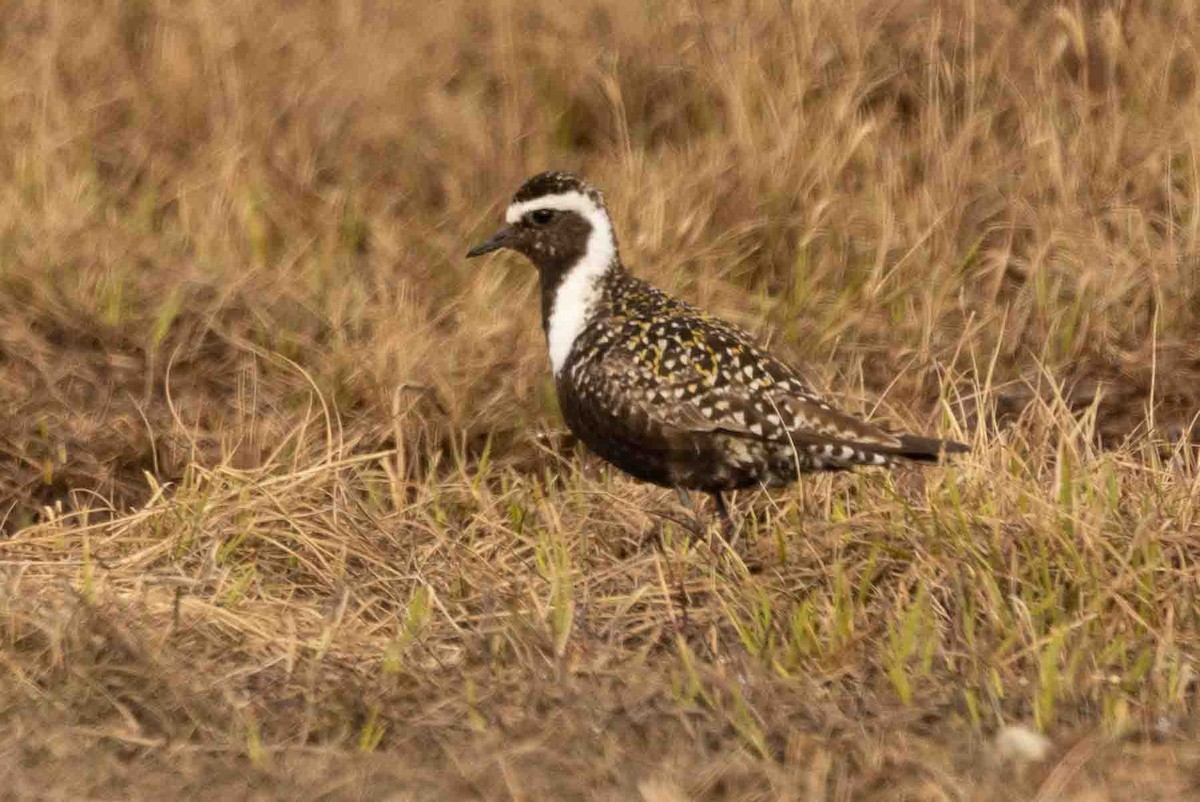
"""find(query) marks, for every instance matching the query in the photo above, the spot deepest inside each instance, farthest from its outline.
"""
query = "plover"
(664, 391)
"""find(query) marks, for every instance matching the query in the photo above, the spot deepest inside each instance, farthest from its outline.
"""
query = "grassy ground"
(287, 507)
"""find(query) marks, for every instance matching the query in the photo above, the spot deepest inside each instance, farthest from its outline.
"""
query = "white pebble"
(1019, 743)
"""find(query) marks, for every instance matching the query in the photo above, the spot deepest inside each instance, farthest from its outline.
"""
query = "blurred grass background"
(285, 505)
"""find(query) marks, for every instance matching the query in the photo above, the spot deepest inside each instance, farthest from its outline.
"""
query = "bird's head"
(558, 221)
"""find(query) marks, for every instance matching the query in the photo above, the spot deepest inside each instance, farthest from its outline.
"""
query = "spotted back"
(657, 362)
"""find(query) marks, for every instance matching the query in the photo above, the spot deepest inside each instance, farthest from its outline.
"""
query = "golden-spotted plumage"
(662, 390)
(701, 404)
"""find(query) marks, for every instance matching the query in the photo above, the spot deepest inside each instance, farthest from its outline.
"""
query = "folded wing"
(718, 382)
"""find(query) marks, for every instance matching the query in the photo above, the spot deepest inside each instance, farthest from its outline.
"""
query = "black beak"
(493, 243)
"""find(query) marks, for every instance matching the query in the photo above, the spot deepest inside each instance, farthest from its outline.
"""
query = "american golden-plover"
(663, 391)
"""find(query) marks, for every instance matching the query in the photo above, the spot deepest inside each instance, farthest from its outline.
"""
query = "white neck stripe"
(577, 293)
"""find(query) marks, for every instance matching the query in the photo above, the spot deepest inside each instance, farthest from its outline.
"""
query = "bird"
(667, 393)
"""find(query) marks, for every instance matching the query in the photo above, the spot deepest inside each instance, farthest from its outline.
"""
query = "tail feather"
(841, 455)
(928, 449)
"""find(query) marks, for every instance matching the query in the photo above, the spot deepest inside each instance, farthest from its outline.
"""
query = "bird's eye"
(541, 216)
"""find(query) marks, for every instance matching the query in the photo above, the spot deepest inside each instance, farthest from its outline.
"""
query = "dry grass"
(287, 512)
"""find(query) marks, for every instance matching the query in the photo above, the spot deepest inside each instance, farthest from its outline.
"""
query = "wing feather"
(743, 392)
(661, 370)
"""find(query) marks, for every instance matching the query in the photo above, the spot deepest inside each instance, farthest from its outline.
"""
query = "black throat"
(555, 253)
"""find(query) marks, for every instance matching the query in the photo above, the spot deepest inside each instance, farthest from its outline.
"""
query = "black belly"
(640, 454)
(670, 457)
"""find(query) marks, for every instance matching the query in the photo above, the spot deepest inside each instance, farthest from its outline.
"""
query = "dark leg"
(685, 499)
(698, 526)
(727, 526)
(722, 510)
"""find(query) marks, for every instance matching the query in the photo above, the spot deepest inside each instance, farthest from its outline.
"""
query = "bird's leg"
(685, 499)
(727, 526)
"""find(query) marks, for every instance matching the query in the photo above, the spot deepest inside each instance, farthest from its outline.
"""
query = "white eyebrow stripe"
(572, 201)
